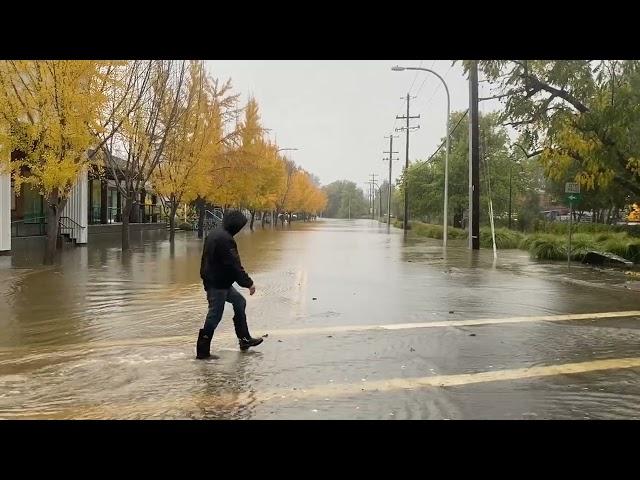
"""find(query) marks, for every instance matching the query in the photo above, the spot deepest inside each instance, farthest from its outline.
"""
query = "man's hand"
(252, 289)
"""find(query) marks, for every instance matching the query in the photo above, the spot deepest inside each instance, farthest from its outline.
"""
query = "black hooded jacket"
(220, 265)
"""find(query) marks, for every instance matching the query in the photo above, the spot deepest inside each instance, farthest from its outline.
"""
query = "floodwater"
(360, 323)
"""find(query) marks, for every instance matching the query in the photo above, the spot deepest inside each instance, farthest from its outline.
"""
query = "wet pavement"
(361, 323)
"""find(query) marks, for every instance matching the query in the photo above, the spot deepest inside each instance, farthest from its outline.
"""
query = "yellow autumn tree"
(194, 144)
(48, 111)
(211, 175)
(284, 192)
(271, 177)
(244, 179)
(305, 198)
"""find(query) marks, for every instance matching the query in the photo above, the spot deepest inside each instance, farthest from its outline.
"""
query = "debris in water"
(265, 335)
(329, 336)
(314, 410)
(412, 349)
(314, 298)
(451, 311)
(472, 334)
(280, 341)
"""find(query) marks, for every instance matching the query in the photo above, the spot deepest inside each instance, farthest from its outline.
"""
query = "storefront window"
(94, 208)
(32, 205)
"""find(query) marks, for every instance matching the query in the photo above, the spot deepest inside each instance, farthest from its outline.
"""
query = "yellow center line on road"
(395, 384)
(181, 407)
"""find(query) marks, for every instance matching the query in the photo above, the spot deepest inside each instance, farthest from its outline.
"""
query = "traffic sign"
(573, 198)
(572, 187)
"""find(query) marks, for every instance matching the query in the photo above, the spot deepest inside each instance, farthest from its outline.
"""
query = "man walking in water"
(220, 267)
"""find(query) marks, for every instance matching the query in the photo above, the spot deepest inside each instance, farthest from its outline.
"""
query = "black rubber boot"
(245, 343)
(203, 345)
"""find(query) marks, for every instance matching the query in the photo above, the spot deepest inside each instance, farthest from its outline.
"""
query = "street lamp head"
(397, 68)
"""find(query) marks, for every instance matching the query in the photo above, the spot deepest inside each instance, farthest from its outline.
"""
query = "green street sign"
(573, 198)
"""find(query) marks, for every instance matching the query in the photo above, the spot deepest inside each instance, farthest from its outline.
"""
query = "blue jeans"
(217, 298)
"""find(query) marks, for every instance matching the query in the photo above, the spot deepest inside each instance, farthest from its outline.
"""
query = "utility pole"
(375, 186)
(406, 164)
(372, 182)
(474, 159)
(390, 160)
(368, 184)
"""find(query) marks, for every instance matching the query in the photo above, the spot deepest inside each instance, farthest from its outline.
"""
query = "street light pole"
(446, 158)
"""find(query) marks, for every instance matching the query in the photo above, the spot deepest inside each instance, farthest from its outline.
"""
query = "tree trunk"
(126, 212)
(201, 211)
(54, 211)
(262, 219)
(253, 216)
(172, 223)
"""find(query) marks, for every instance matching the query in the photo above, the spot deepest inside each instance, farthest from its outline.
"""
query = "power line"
(415, 77)
(395, 121)
(445, 140)
(438, 87)
(426, 77)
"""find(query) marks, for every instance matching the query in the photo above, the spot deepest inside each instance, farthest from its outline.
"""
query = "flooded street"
(359, 323)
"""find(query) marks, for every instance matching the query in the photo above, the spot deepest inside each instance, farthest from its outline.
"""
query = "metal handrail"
(216, 219)
(72, 221)
(213, 214)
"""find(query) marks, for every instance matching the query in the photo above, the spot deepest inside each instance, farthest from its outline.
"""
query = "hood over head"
(234, 221)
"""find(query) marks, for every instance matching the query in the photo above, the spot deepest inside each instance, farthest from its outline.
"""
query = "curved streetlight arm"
(398, 68)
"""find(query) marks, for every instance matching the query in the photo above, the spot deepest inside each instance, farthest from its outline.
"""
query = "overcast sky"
(338, 112)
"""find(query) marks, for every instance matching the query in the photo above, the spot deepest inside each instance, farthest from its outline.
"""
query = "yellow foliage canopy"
(47, 111)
